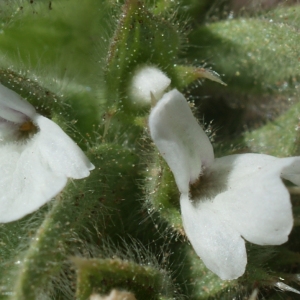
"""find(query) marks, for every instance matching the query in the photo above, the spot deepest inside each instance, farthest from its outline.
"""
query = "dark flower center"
(27, 129)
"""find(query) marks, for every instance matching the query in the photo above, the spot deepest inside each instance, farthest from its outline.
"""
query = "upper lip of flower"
(223, 199)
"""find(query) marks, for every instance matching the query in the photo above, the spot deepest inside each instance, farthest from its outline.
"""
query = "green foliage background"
(121, 227)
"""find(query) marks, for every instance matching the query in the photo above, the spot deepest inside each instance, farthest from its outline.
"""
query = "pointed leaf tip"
(209, 74)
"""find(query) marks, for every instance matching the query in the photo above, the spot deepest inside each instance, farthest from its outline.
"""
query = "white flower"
(223, 200)
(147, 80)
(36, 158)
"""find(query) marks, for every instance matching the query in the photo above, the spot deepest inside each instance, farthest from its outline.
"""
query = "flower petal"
(26, 182)
(218, 244)
(147, 80)
(7, 130)
(13, 107)
(180, 139)
(292, 171)
(59, 151)
(254, 199)
(36, 170)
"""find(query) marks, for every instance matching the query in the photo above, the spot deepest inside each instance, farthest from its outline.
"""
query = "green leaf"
(279, 138)
(140, 38)
(255, 55)
(189, 74)
(41, 98)
(56, 38)
(74, 213)
(161, 193)
(102, 275)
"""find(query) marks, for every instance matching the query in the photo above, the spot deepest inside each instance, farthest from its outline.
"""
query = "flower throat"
(27, 130)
